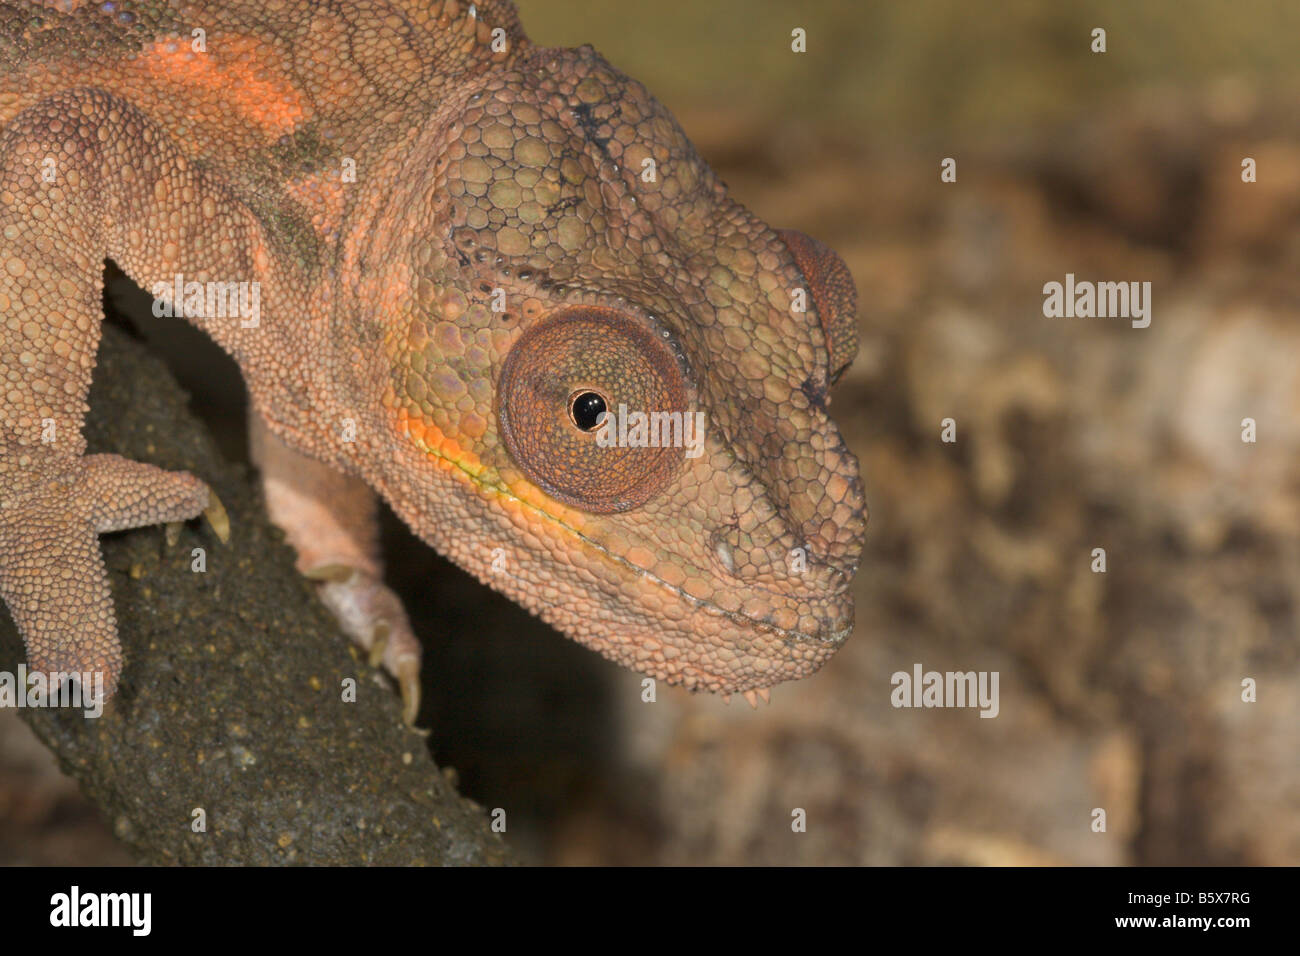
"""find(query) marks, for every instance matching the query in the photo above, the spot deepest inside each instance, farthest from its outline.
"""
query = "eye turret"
(561, 378)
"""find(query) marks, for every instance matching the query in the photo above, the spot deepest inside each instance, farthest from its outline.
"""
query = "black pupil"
(587, 409)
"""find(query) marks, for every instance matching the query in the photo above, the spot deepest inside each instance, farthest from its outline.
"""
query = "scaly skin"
(479, 167)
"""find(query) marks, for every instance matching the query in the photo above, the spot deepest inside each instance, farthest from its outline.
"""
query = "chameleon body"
(463, 249)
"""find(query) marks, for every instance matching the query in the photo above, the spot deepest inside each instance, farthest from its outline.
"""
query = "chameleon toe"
(215, 515)
(338, 573)
(379, 639)
(408, 681)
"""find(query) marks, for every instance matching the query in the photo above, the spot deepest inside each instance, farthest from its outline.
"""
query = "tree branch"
(231, 700)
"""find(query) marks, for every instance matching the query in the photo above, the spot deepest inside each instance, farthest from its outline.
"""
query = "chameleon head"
(609, 384)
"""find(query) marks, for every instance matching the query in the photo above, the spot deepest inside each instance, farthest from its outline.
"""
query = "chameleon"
(445, 260)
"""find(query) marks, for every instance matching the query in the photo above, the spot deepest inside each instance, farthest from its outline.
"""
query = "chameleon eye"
(560, 376)
(585, 408)
(833, 295)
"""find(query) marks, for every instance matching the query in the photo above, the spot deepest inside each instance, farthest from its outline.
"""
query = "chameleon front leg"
(54, 499)
(52, 577)
(331, 521)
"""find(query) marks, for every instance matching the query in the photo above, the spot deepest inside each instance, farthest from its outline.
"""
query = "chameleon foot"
(373, 616)
(51, 573)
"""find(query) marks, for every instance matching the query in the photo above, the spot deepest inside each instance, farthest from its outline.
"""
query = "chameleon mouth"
(747, 653)
(830, 639)
(789, 636)
(766, 654)
(487, 484)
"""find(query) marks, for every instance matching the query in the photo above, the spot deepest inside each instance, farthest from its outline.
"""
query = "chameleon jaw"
(767, 654)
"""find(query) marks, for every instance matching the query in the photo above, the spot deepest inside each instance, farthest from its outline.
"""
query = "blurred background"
(1120, 690)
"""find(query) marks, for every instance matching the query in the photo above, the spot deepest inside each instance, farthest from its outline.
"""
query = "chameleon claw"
(726, 699)
(338, 573)
(380, 639)
(372, 616)
(408, 680)
(172, 533)
(766, 694)
(751, 698)
(216, 516)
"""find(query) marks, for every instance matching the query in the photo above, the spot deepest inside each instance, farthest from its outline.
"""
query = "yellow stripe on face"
(519, 495)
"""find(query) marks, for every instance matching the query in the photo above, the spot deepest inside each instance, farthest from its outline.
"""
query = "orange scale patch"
(240, 72)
